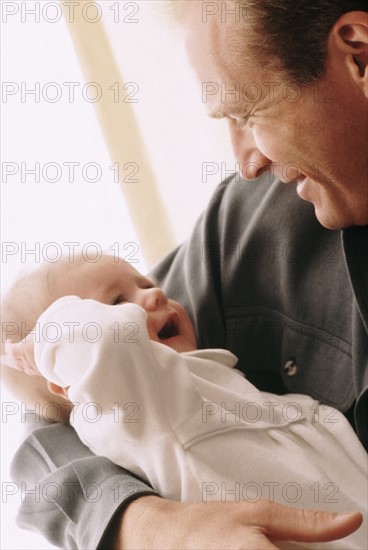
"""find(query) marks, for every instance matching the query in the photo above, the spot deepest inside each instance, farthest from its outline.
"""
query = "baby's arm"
(122, 392)
(101, 354)
(76, 335)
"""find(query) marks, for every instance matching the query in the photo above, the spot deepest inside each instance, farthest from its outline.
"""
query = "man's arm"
(75, 493)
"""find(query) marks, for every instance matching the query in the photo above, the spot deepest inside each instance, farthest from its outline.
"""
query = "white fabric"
(190, 424)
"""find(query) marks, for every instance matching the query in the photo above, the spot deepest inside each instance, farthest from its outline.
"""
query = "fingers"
(12, 357)
(284, 523)
(19, 356)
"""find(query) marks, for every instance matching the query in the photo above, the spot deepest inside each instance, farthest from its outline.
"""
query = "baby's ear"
(34, 393)
(58, 390)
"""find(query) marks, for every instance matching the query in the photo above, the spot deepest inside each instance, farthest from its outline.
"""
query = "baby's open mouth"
(169, 329)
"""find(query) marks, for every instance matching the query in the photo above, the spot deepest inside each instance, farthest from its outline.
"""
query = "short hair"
(31, 293)
(288, 35)
(24, 302)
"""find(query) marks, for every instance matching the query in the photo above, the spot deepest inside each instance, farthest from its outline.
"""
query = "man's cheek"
(286, 162)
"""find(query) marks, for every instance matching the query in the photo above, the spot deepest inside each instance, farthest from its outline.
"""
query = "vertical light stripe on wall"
(122, 134)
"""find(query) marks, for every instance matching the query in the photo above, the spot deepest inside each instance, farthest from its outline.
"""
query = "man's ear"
(350, 36)
(58, 390)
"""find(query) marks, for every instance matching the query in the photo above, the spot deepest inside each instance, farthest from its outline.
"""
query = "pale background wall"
(178, 138)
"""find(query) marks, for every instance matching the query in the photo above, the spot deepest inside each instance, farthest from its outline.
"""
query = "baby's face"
(115, 282)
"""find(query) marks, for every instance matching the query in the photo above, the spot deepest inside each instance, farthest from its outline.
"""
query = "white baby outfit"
(192, 425)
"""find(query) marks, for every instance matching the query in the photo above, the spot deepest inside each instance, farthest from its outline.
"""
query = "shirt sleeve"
(70, 496)
(130, 393)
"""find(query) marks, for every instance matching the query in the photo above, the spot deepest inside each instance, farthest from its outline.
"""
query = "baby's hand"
(20, 356)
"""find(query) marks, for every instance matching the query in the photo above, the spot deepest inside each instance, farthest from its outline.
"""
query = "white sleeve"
(77, 338)
(124, 385)
(102, 353)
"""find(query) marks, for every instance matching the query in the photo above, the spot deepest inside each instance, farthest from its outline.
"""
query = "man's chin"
(308, 191)
(330, 219)
(327, 224)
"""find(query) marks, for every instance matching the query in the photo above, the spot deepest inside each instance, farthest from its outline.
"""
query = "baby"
(141, 393)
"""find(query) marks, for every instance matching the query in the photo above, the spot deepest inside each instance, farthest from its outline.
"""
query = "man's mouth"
(170, 329)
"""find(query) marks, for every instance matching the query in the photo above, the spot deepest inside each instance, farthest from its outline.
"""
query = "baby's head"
(109, 280)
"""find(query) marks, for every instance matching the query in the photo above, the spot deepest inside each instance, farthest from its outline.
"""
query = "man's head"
(292, 80)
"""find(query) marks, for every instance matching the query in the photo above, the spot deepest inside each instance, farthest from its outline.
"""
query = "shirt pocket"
(282, 355)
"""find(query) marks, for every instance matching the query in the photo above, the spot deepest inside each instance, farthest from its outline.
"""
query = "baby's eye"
(241, 122)
(118, 300)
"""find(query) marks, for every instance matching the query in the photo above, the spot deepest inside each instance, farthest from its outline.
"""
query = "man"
(260, 275)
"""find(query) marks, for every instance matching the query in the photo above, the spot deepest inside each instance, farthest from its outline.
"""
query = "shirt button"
(290, 367)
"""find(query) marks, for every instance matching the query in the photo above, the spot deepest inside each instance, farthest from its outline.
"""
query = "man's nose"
(252, 163)
(153, 298)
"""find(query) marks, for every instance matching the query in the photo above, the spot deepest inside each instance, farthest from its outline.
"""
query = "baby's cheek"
(151, 332)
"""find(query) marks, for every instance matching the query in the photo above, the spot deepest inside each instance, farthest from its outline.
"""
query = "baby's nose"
(154, 297)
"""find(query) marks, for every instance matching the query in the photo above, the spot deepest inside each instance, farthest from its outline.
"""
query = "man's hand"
(20, 356)
(154, 523)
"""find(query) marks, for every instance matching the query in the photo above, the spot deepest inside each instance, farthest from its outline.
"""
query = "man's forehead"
(229, 85)
(204, 41)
